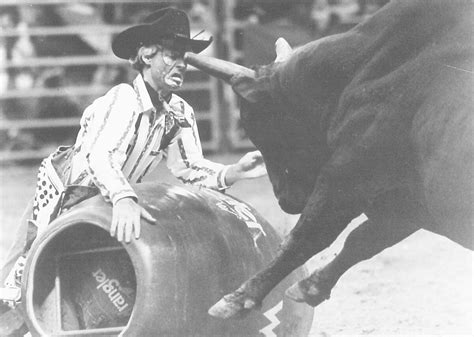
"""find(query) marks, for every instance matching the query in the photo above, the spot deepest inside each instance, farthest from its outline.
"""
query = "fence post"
(222, 52)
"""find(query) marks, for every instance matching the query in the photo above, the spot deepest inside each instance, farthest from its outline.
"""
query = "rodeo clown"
(124, 135)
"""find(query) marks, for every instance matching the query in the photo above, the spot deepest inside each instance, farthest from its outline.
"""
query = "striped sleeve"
(111, 133)
(186, 161)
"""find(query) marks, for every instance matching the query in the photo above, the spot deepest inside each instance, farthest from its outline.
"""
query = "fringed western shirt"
(123, 137)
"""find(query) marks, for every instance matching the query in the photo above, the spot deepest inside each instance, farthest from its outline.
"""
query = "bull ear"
(246, 87)
(283, 50)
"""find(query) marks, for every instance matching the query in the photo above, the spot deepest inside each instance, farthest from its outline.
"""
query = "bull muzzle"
(221, 69)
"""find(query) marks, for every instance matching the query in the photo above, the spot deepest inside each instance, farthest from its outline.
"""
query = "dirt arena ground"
(423, 286)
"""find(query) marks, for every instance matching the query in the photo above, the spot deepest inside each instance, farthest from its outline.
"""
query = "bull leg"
(322, 220)
(386, 227)
(364, 242)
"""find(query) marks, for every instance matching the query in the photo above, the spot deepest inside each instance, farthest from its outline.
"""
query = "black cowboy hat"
(166, 23)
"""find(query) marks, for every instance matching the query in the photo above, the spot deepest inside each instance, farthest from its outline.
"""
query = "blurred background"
(55, 59)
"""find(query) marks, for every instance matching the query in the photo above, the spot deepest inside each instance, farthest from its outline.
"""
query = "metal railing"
(16, 125)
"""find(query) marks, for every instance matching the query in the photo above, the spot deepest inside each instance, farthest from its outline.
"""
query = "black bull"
(377, 120)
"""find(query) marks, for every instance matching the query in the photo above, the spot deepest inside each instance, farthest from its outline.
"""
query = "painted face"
(167, 69)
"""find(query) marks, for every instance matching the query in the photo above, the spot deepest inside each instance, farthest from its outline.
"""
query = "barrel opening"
(84, 282)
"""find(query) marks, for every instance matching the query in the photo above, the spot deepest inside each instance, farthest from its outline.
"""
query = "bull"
(376, 120)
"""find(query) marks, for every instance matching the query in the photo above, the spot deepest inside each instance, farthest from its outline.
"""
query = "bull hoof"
(309, 294)
(233, 306)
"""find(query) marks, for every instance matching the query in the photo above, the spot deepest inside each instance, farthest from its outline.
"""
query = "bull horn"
(221, 69)
(282, 49)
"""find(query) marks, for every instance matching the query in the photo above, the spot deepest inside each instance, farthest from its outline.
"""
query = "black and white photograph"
(237, 168)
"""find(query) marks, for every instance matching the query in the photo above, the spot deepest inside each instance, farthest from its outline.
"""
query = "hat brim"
(126, 43)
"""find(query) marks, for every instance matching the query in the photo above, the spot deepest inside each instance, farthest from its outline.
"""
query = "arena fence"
(27, 133)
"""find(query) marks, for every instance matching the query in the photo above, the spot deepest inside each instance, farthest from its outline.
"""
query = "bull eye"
(287, 172)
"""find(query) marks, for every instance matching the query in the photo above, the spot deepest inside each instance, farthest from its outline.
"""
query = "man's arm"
(187, 163)
(108, 142)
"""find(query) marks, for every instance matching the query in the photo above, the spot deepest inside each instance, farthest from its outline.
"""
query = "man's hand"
(126, 219)
(251, 165)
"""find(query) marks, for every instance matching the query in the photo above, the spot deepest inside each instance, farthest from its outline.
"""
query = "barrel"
(79, 280)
